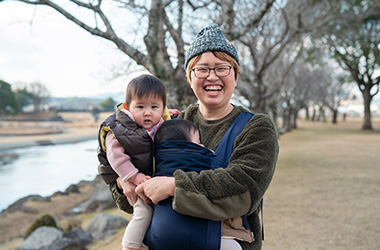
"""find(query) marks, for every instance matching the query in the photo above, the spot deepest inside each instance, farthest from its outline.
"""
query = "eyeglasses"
(203, 72)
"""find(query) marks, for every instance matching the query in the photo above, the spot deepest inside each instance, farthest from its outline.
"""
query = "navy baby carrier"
(170, 230)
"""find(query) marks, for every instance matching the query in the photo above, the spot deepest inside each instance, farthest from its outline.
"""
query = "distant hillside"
(81, 103)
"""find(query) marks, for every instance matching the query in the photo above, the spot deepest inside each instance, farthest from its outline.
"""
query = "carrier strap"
(226, 146)
(225, 149)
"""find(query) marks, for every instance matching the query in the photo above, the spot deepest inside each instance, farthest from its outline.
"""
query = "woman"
(212, 70)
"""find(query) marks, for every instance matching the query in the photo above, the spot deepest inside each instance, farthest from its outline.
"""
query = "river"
(44, 170)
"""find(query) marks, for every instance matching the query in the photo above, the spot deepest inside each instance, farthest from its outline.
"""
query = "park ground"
(324, 193)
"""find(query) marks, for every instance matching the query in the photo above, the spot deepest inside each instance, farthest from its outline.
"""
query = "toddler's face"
(147, 112)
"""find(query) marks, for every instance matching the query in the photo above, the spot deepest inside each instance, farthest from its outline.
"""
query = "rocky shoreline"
(84, 199)
(85, 212)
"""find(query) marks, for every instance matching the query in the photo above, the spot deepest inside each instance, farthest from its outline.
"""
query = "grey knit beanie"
(211, 38)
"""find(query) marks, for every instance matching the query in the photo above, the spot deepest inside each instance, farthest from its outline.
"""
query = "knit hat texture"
(211, 38)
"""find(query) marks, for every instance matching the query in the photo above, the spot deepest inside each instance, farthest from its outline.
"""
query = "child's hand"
(173, 112)
(139, 178)
(128, 189)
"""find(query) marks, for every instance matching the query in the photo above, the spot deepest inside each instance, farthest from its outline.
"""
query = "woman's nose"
(212, 74)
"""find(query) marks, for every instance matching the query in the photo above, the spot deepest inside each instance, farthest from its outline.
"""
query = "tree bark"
(367, 121)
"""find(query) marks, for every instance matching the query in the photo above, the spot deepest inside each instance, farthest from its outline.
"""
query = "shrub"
(44, 220)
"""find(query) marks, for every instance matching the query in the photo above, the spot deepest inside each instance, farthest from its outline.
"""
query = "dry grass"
(325, 192)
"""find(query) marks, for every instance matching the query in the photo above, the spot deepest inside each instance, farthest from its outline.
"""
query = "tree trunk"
(307, 113)
(335, 116)
(294, 121)
(313, 118)
(367, 123)
(273, 111)
(256, 101)
(286, 126)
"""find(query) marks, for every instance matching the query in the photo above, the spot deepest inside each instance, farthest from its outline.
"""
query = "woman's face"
(213, 91)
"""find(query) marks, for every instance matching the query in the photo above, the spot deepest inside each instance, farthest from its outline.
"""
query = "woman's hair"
(145, 86)
(175, 130)
(218, 54)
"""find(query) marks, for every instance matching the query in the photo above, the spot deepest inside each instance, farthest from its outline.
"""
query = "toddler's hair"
(175, 130)
(145, 86)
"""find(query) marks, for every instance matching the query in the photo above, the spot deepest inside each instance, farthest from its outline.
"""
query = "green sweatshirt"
(238, 189)
(226, 193)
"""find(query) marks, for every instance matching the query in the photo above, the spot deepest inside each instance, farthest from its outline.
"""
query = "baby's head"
(177, 130)
(146, 100)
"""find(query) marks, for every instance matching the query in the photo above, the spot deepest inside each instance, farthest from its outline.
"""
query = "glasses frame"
(214, 69)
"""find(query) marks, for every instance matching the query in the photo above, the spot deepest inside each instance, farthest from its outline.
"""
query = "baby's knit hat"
(211, 38)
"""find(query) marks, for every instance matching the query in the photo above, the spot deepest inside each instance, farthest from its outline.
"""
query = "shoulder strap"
(225, 149)
(226, 146)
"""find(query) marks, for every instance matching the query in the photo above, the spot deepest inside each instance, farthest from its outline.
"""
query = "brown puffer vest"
(133, 138)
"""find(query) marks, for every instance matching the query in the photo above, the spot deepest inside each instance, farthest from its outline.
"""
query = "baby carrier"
(170, 230)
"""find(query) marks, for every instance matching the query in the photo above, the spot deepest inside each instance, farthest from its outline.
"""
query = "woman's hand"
(128, 189)
(156, 189)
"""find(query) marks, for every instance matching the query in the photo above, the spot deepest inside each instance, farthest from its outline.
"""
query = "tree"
(160, 25)
(298, 88)
(35, 94)
(108, 104)
(262, 46)
(40, 95)
(334, 91)
(8, 103)
(23, 97)
(353, 39)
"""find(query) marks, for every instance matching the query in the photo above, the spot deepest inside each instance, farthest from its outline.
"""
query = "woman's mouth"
(213, 88)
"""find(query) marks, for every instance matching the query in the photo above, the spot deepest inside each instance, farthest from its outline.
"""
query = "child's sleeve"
(118, 159)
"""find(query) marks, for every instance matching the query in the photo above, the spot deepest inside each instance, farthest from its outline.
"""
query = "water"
(43, 170)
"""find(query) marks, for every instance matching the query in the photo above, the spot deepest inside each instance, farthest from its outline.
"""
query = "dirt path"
(325, 192)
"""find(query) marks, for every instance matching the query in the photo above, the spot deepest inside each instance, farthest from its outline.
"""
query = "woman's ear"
(236, 79)
(188, 77)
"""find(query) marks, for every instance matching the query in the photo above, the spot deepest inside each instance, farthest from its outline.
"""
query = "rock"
(105, 225)
(50, 238)
(100, 200)
(75, 239)
(72, 189)
(19, 204)
(41, 237)
(58, 193)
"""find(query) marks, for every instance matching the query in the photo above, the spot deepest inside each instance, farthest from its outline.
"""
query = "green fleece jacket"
(236, 190)
(226, 193)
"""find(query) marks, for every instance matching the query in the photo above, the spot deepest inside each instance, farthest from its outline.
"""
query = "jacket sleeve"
(120, 162)
(237, 190)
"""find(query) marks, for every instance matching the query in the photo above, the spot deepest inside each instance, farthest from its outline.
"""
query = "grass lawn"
(325, 193)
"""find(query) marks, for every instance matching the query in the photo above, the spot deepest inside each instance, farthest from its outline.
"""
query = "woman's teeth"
(213, 88)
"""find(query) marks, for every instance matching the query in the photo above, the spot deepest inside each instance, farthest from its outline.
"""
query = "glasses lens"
(203, 72)
(222, 71)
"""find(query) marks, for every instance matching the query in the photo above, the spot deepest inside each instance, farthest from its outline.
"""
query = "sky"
(39, 45)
